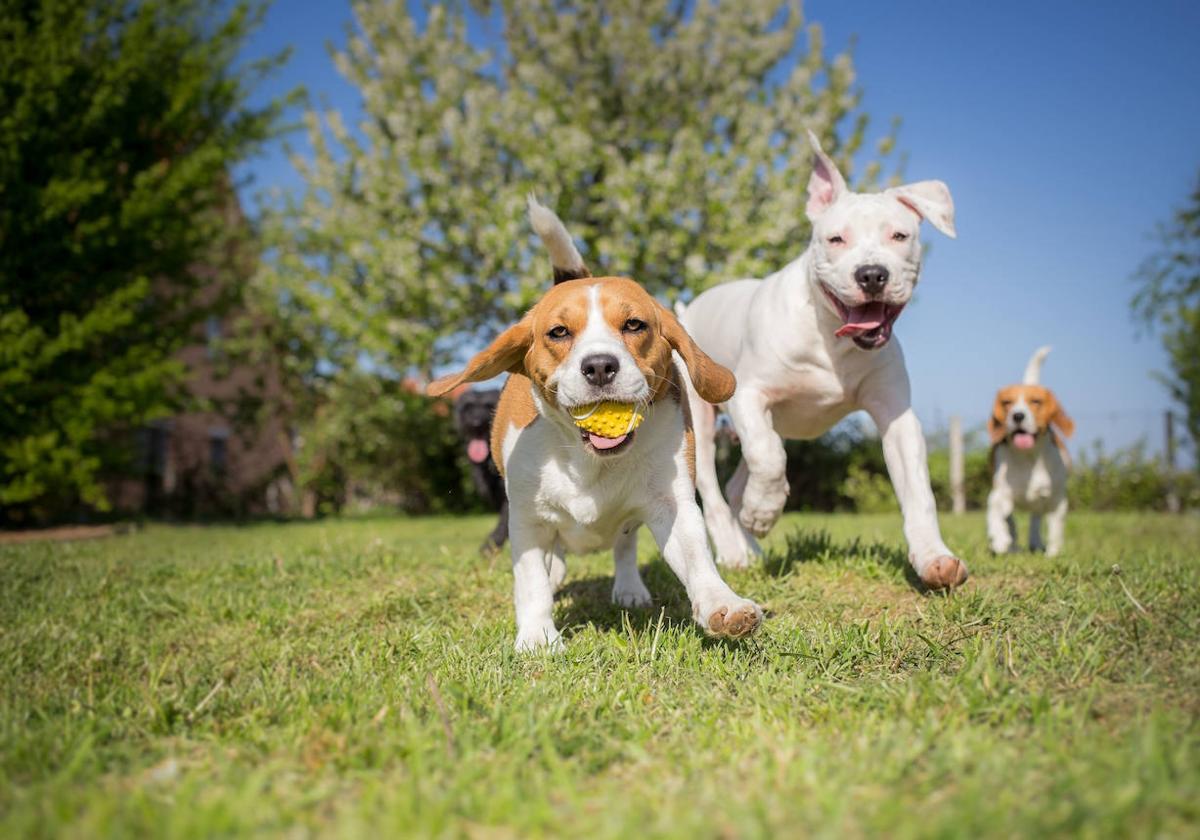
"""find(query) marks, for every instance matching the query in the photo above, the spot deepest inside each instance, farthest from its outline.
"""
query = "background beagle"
(592, 340)
(1029, 462)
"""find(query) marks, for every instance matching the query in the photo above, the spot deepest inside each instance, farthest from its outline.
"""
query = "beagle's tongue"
(605, 443)
(477, 450)
(861, 319)
(1023, 440)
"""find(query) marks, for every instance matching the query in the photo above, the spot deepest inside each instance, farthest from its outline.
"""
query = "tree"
(121, 121)
(668, 134)
(1169, 300)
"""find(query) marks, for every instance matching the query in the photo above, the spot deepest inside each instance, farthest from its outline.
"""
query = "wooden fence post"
(957, 490)
(1169, 457)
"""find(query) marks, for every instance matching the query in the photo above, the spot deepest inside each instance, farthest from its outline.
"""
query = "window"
(218, 450)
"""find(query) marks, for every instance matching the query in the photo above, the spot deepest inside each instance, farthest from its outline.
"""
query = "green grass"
(357, 678)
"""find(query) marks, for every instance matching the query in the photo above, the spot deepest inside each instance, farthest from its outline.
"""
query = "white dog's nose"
(871, 278)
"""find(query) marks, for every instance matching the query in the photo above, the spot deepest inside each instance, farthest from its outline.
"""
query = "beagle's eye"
(1036, 403)
(836, 240)
(1005, 403)
(899, 236)
(633, 325)
(558, 333)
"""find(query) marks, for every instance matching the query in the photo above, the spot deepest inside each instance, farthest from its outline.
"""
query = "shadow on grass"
(589, 600)
(803, 546)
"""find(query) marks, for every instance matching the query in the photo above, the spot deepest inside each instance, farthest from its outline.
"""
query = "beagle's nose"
(871, 278)
(1018, 416)
(599, 368)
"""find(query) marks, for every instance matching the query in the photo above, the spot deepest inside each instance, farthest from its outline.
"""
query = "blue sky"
(1066, 131)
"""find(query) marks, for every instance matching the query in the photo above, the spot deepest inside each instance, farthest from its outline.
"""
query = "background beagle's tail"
(564, 256)
(1033, 370)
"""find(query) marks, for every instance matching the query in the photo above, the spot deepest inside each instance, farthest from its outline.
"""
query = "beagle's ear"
(930, 200)
(996, 422)
(1059, 418)
(713, 382)
(825, 184)
(506, 353)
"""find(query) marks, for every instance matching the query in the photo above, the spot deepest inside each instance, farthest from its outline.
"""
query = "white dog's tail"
(564, 256)
(1033, 370)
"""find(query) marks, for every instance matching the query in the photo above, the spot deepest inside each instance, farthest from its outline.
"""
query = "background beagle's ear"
(713, 382)
(996, 422)
(506, 353)
(1060, 419)
(825, 184)
(930, 200)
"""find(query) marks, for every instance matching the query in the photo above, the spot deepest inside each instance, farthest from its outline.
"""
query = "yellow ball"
(607, 419)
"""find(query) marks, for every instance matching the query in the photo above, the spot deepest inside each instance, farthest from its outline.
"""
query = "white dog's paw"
(1003, 547)
(761, 505)
(539, 637)
(728, 616)
(733, 548)
(631, 594)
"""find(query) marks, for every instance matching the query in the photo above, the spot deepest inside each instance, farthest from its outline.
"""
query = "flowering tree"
(668, 134)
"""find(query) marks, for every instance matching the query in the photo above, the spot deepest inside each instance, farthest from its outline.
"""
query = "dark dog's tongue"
(861, 319)
(477, 450)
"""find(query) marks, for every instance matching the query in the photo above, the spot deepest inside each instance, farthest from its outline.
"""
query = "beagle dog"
(1029, 462)
(588, 341)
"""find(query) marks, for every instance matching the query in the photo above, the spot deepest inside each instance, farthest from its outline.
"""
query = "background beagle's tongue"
(605, 443)
(861, 319)
(477, 450)
(1023, 440)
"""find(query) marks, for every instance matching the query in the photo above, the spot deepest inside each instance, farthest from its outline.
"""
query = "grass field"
(356, 678)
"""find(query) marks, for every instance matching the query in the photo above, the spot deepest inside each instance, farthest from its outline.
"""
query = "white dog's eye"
(836, 240)
(899, 236)
(558, 333)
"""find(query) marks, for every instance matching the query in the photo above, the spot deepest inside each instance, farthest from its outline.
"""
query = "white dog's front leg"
(628, 589)
(678, 529)
(533, 593)
(766, 489)
(1056, 521)
(999, 520)
(904, 452)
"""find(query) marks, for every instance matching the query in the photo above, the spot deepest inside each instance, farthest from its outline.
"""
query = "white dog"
(1029, 463)
(810, 344)
(587, 341)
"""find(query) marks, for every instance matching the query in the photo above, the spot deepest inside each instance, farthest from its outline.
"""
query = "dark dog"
(473, 416)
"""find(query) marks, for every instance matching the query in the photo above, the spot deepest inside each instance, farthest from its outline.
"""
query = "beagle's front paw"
(539, 637)
(944, 572)
(762, 504)
(730, 617)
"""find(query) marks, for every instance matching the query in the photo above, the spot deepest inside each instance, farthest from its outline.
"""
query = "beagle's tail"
(564, 256)
(1033, 370)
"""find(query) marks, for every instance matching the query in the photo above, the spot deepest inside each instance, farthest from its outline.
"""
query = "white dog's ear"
(825, 184)
(930, 200)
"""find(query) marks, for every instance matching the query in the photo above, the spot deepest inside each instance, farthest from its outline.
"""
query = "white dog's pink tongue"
(861, 319)
(1023, 440)
(477, 450)
(605, 443)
